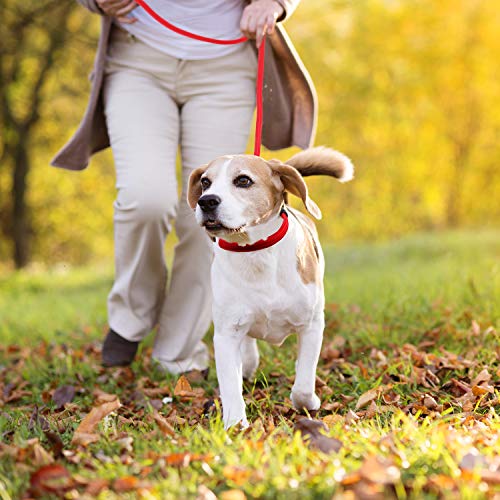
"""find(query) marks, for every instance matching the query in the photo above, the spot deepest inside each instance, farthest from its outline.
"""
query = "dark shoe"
(118, 351)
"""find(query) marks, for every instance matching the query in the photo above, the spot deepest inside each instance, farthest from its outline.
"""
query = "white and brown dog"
(267, 273)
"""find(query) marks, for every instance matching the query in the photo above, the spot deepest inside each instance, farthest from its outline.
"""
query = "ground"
(409, 378)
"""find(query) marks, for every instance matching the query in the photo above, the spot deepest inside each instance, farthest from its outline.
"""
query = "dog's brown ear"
(294, 183)
(194, 186)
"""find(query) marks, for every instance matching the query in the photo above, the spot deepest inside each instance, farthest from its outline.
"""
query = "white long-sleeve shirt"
(215, 19)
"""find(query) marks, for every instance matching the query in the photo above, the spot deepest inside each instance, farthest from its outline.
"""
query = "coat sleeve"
(91, 5)
(289, 6)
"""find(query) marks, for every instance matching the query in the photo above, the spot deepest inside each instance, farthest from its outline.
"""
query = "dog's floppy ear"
(194, 186)
(294, 183)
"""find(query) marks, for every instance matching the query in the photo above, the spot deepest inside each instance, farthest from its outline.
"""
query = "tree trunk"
(19, 220)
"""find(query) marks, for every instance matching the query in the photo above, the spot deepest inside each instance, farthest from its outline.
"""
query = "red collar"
(261, 244)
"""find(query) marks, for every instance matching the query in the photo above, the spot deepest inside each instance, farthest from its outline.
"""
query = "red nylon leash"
(260, 63)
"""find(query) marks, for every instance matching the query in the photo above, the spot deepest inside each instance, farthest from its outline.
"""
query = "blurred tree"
(408, 88)
(33, 34)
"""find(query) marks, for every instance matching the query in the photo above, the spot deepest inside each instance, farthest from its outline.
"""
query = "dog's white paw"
(306, 400)
(242, 422)
(234, 414)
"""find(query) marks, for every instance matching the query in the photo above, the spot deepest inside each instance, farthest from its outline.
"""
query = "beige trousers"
(154, 103)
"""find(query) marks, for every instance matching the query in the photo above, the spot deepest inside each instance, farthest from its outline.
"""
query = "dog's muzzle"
(208, 205)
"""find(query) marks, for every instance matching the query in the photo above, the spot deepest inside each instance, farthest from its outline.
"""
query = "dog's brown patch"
(266, 195)
(307, 252)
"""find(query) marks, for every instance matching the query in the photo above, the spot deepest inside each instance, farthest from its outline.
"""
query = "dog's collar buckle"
(261, 244)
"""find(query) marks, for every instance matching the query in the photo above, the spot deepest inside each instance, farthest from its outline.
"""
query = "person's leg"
(219, 100)
(143, 125)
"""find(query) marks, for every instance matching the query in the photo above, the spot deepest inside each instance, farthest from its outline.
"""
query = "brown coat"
(290, 106)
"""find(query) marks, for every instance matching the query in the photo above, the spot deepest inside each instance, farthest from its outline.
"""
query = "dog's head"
(233, 193)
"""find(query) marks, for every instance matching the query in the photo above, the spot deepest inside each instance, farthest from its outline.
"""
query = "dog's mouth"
(215, 226)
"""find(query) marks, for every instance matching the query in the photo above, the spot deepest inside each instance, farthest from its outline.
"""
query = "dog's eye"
(243, 181)
(205, 183)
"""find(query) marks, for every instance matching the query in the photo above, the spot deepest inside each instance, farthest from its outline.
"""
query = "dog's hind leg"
(249, 357)
(303, 390)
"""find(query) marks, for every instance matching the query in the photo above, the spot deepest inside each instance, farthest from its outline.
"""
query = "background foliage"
(408, 89)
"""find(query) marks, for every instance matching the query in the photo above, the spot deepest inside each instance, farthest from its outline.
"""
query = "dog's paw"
(306, 400)
(242, 422)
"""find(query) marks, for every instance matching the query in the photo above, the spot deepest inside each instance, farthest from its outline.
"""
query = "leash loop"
(201, 38)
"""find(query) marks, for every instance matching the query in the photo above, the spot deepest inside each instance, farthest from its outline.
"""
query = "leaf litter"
(423, 383)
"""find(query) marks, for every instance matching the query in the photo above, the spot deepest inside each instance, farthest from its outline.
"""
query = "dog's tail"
(323, 161)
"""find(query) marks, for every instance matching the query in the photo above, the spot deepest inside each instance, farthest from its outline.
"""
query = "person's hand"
(259, 18)
(118, 9)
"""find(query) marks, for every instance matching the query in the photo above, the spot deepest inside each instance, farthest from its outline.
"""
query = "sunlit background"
(409, 89)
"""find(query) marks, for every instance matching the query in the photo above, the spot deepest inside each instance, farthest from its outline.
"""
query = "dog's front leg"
(229, 373)
(303, 390)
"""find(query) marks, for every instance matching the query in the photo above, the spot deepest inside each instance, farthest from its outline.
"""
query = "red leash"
(260, 64)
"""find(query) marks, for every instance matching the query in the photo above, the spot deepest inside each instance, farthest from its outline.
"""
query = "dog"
(268, 266)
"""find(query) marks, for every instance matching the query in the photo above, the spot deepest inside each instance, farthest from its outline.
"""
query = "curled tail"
(323, 161)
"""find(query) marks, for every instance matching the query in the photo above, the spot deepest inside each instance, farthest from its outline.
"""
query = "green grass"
(438, 292)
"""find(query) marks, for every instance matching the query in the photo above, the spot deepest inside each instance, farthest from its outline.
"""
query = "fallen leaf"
(53, 478)
(238, 475)
(41, 456)
(378, 470)
(182, 386)
(482, 376)
(84, 432)
(103, 397)
(127, 483)
(330, 420)
(313, 432)
(95, 486)
(351, 417)
(429, 402)
(164, 426)
(55, 441)
(366, 398)
(178, 459)
(62, 395)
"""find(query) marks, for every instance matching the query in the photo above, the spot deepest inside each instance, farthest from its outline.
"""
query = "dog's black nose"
(209, 202)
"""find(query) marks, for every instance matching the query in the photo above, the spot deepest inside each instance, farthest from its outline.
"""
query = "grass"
(399, 313)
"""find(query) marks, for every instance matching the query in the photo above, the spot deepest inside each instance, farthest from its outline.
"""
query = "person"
(153, 91)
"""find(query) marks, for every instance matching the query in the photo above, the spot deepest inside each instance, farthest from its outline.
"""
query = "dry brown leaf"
(41, 456)
(178, 459)
(103, 397)
(52, 478)
(366, 398)
(84, 433)
(313, 433)
(350, 417)
(378, 470)
(95, 486)
(238, 475)
(182, 386)
(164, 426)
(372, 410)
(127, 483)
(481, 377)
(62, 395)
(429, 402)
(330, 420)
